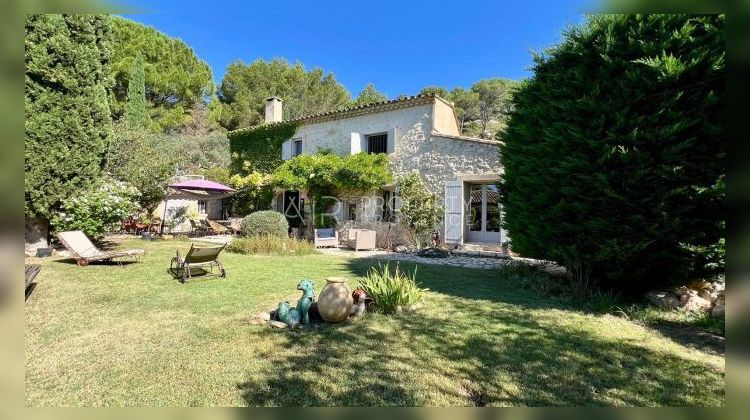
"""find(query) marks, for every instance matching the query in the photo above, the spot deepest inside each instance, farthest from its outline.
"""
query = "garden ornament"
(293, 316)
(304, 302)
(360, 300)
(287, 315)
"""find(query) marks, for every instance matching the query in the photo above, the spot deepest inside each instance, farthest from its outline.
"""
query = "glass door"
(483, 215)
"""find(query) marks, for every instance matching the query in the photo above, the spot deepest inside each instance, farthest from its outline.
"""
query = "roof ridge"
(416, 99)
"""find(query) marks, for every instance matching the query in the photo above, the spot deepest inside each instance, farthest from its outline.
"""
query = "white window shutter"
(356, 143)
(286, 150)
(392, 139)
(454, 212)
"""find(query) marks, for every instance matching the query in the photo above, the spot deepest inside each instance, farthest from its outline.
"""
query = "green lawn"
(108, 335)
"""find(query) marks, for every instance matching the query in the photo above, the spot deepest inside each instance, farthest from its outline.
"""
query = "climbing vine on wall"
(258, 149)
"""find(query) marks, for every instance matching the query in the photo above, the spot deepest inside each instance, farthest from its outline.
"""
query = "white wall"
(336, 134)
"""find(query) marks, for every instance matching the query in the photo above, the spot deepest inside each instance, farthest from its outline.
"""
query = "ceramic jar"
(335, 300)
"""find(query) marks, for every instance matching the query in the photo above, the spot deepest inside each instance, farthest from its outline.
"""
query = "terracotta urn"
(335, 300)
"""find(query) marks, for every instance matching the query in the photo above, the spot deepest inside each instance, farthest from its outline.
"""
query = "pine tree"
(136, 117)
(369, 95)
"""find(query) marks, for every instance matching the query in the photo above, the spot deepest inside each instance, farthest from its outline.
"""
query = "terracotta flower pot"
(335, 300)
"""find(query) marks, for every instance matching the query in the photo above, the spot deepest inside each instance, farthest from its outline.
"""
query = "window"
(352, 212)
(297, 148)
(377, 143)
(201, 207)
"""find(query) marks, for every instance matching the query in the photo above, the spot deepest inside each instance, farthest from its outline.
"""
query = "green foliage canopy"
(68, 120)
(143, 160)
(614, 156)
(244, 89)
(323, 173)
(176, 80)
(369, 95)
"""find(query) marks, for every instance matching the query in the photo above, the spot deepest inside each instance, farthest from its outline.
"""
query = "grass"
(132, 335)
(270, 245)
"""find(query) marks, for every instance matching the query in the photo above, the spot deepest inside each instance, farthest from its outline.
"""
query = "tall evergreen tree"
(614, 156)
(67, 114)
(136, 117)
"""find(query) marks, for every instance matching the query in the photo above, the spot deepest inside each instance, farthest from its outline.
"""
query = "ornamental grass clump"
(392, 289)
(270, 245)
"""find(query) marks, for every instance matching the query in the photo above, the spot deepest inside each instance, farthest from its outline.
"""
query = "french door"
(483, 214)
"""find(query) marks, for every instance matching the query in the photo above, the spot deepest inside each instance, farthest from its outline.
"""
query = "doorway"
(484, 217)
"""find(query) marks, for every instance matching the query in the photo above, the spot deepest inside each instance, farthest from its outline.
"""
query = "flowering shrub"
(98, 210)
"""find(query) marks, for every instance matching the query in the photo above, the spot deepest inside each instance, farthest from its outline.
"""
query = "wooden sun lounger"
(86, 252)
(31, 271)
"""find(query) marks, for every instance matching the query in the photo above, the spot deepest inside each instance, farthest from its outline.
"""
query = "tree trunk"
(36, 233)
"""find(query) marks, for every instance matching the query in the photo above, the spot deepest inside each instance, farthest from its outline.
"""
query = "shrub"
(392, 288)
(266, 222)
(534, 278)
(614, 155)
(98, 210)
(419, 212)
(270, 245)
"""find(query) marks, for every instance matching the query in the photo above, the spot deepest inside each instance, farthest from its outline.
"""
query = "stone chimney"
(273, 109)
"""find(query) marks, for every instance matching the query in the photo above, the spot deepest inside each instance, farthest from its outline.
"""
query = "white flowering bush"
(99, 210)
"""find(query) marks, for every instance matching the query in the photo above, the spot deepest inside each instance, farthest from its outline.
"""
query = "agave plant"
(392, 288)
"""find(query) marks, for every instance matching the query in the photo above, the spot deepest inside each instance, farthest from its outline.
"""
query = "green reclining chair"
(198, 257)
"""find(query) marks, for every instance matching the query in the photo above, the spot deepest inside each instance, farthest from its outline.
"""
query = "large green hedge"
(259, 148)
(68, 120)
(615, 154)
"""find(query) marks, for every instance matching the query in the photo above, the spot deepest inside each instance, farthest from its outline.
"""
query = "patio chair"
(326, 237)
(360, 239)
(197, 227)
(217, 228)
(85, 252)
(198, 257)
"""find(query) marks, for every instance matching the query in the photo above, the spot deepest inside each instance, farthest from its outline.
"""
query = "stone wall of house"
(439, 159)
(336, 135)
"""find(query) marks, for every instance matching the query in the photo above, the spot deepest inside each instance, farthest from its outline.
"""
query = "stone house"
(419, 133)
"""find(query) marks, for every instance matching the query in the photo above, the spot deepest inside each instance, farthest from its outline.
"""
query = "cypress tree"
(68, 122)
(135, 103)
(614, 157)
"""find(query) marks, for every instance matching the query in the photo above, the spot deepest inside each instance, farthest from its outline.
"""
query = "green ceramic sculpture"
(304, 303)
(287, 315)
(293, 316)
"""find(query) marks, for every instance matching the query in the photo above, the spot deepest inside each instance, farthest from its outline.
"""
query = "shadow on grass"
(691, 336)
(73, 261)
(486, 345)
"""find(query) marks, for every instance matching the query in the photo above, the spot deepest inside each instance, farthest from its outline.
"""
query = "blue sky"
(399, 46)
